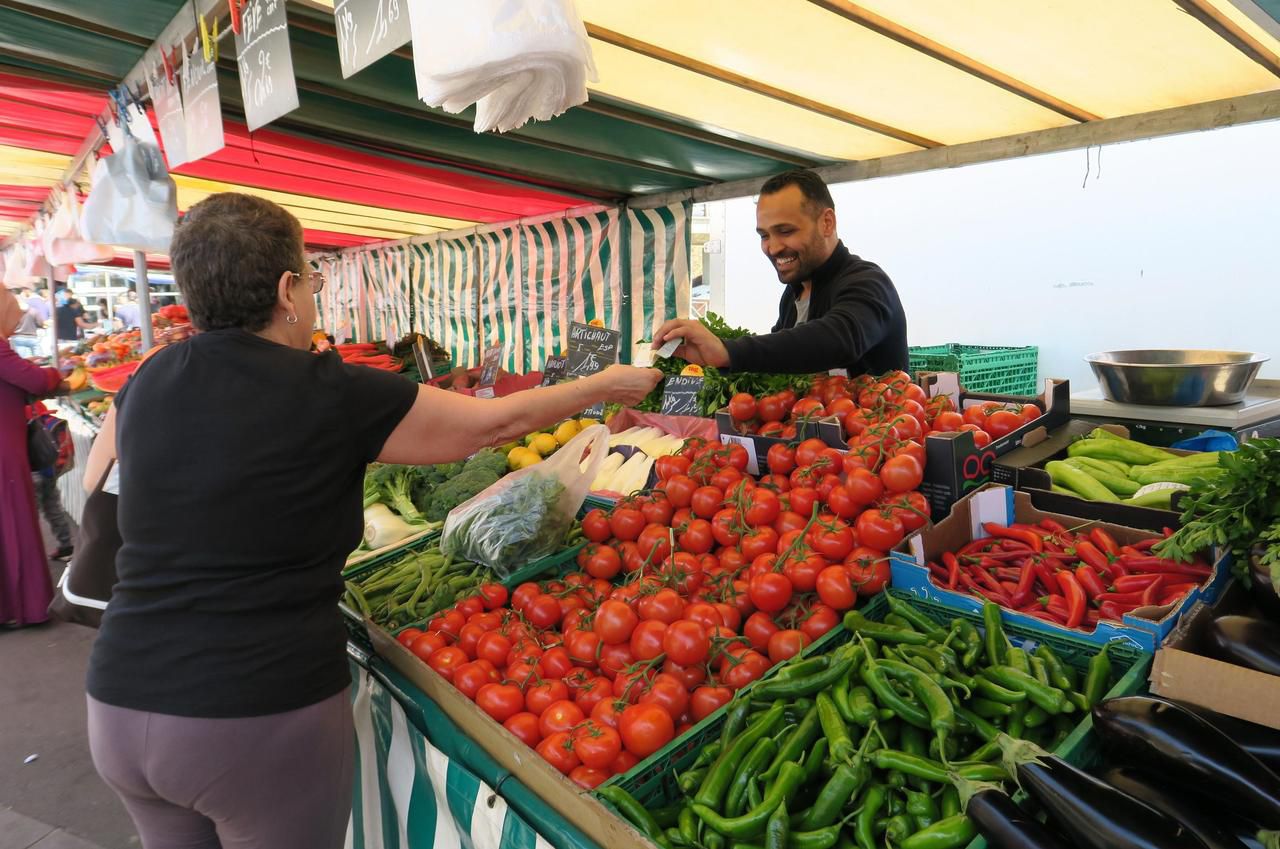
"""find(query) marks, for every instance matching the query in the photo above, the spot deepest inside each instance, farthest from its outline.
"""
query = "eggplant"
(1092, 813)
(1172, 741)
(1258, 740)
(1185, 808)
(1245, 641)
(1000, 821)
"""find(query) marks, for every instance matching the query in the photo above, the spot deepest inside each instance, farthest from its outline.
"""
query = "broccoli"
(488, 459)
(397, 491)
(376, 477)
(456, 490)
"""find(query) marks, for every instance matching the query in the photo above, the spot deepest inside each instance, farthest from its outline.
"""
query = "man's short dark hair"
(228, 253)
(816, 195)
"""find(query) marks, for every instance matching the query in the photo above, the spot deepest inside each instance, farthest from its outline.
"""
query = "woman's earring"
(291, 319)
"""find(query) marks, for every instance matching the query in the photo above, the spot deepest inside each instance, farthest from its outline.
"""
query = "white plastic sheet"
(514, 59)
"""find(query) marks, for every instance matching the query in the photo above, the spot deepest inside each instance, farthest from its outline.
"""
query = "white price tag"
(753, 463)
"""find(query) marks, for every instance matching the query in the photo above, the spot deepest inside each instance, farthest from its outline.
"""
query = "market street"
(57, 801)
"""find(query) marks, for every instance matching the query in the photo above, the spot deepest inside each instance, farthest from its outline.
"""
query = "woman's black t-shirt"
(241, 469)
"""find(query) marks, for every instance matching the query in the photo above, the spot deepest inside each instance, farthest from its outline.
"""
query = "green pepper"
(990, 709)
(989, 689)
(735, 720)
(668, 815)
(1058, 676)
(839, 790)
(709, 753)
(635, 813)
(859, 624)
(840, 695)
(917, 618)
(950, 833)
(711, 840)
(861, 706)
(899, 622)
(969, 721)
(714, 786)
(687, 825)
(752, 823)
(813, 761)
(822, 838)
(842, 661)
(1036, 716)
(691, 779)
(834, 728)
(796, 744)
(942, 716)
(895, 780)
(1017, 720)
(922, 809)
(777, 830)
(949, 806)
(997, 643)
(877, 679)
(754, 796)
(1098, 676)
(755, 761)
(1040, 671)
(973, 642)
(897, 829)
(931, 770)
(865, 824)
(1017, 658)
(801, 668)
(911, 740)
(1049, 698)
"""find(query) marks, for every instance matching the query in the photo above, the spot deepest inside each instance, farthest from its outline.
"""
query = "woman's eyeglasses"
(315, 278)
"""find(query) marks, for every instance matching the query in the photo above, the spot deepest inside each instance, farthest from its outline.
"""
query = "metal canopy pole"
(143, 288)
(53, 319)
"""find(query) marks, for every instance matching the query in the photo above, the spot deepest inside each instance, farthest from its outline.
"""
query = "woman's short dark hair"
(228, 253)
(816, 194)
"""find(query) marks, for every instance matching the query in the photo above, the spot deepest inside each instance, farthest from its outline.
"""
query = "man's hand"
(629, 385)
(700, 346)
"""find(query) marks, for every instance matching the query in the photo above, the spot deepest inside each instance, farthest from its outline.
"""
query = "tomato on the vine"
(835, 587)
(654, 543)
(785, 645)
(759, 541)
(596, 745)
(880, 529)
(525, 726)
(819, 619)
(686, 642)
(869, 576)
(706, 501)
(665, 605)
(627, 523)
(707, 700)
(645, 729)
(770, 592)
(697, 538)
(781, 459)
(763, 508)
(833, 540)
(670, 466)
(902, 474)
(500, 701)
(801, 500)
(742, 407)
(557, 750)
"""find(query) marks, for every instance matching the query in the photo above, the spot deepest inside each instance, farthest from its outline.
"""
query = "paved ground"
(56, 801)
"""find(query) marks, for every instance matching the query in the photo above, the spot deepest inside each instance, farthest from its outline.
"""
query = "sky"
(1171, 242)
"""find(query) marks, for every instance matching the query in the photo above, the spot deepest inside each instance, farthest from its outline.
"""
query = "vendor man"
(838, 311)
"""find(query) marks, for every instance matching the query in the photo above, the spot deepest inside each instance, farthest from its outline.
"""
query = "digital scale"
(1257, 415)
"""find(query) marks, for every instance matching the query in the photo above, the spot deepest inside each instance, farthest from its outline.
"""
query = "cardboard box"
(1182, 672)
(573, 803)
(954, 465)
(1024, 469)
(1003, 505)
(827, 429)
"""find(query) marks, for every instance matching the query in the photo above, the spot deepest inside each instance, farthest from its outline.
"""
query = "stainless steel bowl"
(1173, 378)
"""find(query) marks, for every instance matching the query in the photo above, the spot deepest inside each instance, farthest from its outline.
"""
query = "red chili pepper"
(1026, 580)
(1034, 529)
(1141, 545)
(1091, 619)
(1090, 582)
(937, 571)
(1051, 525)
(1074, 594)
(1168, 532)
(984, 577)
(1160, 564)
(1056, 606)
(1046, 616)
(1151, 593)
(1034, 541)
(1135, 583)
(971, 547)
(1008, 573)
(1134, 597)
(1171, 597)
(1184, 586)
(1090, 554)
(953, 569)
(1104, 541)
(1052, 546)
(968, 583)
(999, 598)
(1110, 610)
(1047, 576)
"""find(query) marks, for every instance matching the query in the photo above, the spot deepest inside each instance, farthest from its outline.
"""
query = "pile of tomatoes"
(889, 405)
(683, 595)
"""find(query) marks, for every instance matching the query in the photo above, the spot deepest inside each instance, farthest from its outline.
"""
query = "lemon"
(566, 431)
(544, 444)
(583, 424)
(521, 458)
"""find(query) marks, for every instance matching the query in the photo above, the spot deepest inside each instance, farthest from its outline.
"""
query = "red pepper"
(1009, 573)
(1056, 606)
(1170, 597)
(1168, 532)
(1074, 595)
(1141, 545)
(1134, 598)
(1160, 564)
(953, 569)
(1110, 610)
(998, 597)
(1009, 588)
(1185, 586)
(1091, 618)
(1034, 529)
(1104, 541)
(1090, 554)
(1151, 593)
(1047, 576)
(1090, 582)
(1051, 525)
(1047, 616)
(1034, 541)
(1026, 580)
(984, 577)
(937, 571)
(1134, 583)
(971, 547)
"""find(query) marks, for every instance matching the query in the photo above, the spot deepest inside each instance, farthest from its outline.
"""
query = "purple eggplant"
(1092, 813)
(1258, 740)
(1184, 807)
(1245, 641)
(1000, 821)
(1172, 741)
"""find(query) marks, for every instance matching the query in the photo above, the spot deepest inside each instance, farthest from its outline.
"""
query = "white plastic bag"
(62, 242)
(133, 201)
(16, 275)
(515, 59)
(526, 515)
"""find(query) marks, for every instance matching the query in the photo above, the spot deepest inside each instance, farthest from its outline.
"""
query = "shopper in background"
(25, 586)
(25, 339)
(217, 687)
(70, 321)
(127, 311)
(49, 500)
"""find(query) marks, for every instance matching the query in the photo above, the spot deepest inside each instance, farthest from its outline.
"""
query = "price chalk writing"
(680, 395)
(591, 349)
(554, 371)
(367, 30)
(267, 84)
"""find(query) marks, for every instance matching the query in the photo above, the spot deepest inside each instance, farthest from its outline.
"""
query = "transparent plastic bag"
(133, 202)
(62, 242)
(526, 515)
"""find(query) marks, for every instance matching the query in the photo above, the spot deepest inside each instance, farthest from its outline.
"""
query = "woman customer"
(217, 687)
(25, 585)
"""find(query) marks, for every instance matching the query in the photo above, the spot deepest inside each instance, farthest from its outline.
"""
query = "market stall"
(793, 609)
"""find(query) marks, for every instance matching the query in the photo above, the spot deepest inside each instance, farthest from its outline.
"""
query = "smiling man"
(837, 311)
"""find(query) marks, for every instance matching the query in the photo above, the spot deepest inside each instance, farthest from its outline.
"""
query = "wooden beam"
(1215, 114)
(909, 38)
(1230, 32)
(754, 86)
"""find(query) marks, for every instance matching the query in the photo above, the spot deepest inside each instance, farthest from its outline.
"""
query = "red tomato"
(724, 527)
(595, 526)
(841, 406)
(623, 763)
(627, 523)
(835, 588)
(759, 541)
(665, 605)
(539, 697)
(778, 483)
(614, 622)
(808, 451)
(868, 574)
(880, 529)
(449, 623)
(544, 611)
(470, 677)
(556, 663)
(629, 686)
(559, 716)
(763, 509)
(606, 712)
(494, 648)
(583, 647)
(1002, 423)
(732, 456)
(729, 614)
(645, 729)
(468, 606)
(902, 474)
(669, 467)
(470, 636)
(646, 639)
(686, 642)
(592, 692)
(725, 478)
(770, 592)
(408, 635)
(758, 628)
(948, 422)
(707, 700)
(802, 572)
(596, 745)
(751, 665)
(525, 726)
(669, 693)
(679, 489)
(775, 430)
(690, 676)
(1030, 412)
(781, 459)
(771, 408)
(789, 520)
(704, 614)
(655, 543)
(786, 644)
(425, 645)
(657, 509)
(976, 415)
(588, 778)
(833, 540)
(697, 537)
(911, 508)
(500, 701)
(615, 658)
(600, 561)
(557, 750)
(820, 619)
(802, 499)
(706, 501)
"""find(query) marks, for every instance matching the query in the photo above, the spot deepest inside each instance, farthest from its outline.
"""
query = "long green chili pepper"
(922, 808)
(997, 643)
(968, 720)
(1098, 676)
(1058, 676)
(856, 622)
(973, 642)
(949, 805)
(931, 770)
(876, 678)
(840, 695)
(1016, 724)
(709, 753)
(1078, 700)
(911, 740)
(839, 790)
(942, 715)
(822, 838)
(990, 709)
(752, 823)
(1040, 670)
(1049, 698)
(777, 830)
(635, 813)
(715, 785)
(861, 706)
(865, 824)
(919, 619)
(797, 743)
(842, 661)
(988, 689)
(899, 622)
(1036, 716)
(1017, 658)
(687, 825)
(813, 761)
(898, 829)
(803, 668)
(950, 833)
(668, 815)
(691, 779)
(755, 761)
(734, 721)
(834, 729)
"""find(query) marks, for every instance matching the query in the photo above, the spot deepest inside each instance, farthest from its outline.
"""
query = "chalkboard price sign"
(201, 110)
(591, 349)
(680, 395)
(492, 360)
(266, 63)
(368, 30)
(554, 371)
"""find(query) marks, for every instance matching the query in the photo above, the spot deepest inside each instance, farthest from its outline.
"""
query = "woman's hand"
(629, 385)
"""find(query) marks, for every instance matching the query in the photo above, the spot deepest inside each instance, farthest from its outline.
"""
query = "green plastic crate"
(653, 781)
(365, 567)
(987, 369)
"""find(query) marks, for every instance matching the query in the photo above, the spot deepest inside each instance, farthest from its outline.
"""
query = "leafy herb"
(516, 524)
(1237, 511)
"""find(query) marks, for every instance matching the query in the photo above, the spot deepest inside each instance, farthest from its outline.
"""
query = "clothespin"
(205, 45)
(235, 5)
(102, 125)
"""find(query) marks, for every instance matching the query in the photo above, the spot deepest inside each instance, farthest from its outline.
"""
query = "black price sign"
(266, 63)
(367, 30)
(680, 395)
(492, 360)
(591, 349)
(554, 371)
(201, 110)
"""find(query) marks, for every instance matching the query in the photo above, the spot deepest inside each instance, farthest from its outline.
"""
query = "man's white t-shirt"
(802, 308)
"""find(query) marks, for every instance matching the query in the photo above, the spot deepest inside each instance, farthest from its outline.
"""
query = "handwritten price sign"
(266, 63)
(368, 30)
